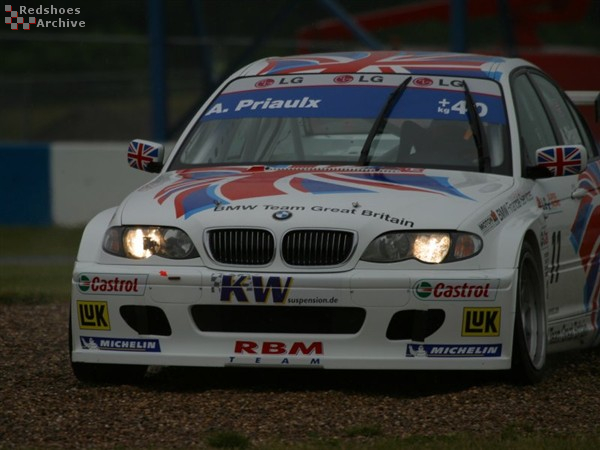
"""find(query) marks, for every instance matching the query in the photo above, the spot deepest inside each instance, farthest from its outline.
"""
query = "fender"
(90, 248)
(512, 234)
(525, 224)
(504, 239)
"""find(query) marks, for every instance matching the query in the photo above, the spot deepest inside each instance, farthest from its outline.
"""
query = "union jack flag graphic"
(585, 238)
(561, 160)
(385, 62)
(140, 154)
(199, 189)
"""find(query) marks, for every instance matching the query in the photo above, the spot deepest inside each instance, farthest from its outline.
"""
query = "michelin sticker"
(120, 344)
(453, 351)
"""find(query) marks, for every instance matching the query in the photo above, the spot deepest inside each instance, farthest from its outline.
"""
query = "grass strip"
(39, 241)
(35, 284)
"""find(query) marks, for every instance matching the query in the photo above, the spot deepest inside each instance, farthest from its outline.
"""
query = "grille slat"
(317, 247)
(241, 246)
(247, 246)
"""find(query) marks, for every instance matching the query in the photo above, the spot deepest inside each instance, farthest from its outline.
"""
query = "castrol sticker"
(457, 290)
(111, 284)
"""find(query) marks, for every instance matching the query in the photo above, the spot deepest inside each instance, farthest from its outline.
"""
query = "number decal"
(461, 108)
(483, 109)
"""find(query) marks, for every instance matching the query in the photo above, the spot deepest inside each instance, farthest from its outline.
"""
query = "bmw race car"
(367, 210)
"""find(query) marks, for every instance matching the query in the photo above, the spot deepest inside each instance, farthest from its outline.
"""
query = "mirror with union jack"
(145, 155)
(562, 160)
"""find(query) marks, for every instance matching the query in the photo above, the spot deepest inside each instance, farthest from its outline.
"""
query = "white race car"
(366, 210)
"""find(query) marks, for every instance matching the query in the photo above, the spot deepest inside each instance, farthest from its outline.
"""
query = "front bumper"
(361, 319)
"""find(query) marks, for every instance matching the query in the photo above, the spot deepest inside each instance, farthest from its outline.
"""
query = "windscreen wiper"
(483, 154)
(379, 123)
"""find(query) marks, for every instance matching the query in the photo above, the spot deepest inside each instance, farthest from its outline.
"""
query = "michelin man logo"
(14, 20)
(90, 344)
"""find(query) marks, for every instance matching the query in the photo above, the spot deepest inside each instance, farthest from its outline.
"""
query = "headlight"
(428, 247)
(143, 242)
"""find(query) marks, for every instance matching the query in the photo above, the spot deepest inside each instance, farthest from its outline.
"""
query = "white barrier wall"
(88, 177)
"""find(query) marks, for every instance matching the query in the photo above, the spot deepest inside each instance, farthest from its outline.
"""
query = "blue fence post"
(156, 37)
(359, 32)
(458, 26)
(25, 194)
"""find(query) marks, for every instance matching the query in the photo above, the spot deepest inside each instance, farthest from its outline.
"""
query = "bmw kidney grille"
(247, 246)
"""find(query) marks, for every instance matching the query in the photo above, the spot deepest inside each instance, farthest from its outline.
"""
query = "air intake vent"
(317, 247)
(241, 246)
(146, 319)
(278, 319)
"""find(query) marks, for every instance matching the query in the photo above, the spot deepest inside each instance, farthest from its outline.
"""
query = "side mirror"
(145, 155)
(561, 161)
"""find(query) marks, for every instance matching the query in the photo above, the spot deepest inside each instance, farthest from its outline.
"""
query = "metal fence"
(113, 102)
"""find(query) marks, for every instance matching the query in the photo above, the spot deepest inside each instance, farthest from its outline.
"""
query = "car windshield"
(325, 119)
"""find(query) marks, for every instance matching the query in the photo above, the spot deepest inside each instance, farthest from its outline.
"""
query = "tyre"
(108, 373)
(530, 331)
(95, 373)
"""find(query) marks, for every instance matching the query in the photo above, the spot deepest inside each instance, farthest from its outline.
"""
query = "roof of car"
(432, 63)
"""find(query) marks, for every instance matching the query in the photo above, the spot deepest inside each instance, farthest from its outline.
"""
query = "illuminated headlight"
(427, 247)
(143, 242)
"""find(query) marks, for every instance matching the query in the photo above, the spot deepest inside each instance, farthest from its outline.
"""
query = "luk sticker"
(109, 284)
(120, 344)
(453, 351)
(93, 315)
(455, 290)
(481, 322)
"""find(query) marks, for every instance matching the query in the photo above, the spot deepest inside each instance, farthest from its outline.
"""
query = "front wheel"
(530, 333)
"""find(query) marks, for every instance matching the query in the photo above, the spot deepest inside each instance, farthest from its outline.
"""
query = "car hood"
(311, 196)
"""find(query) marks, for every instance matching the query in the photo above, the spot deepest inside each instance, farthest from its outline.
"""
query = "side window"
(585, 132)
(567, 127)
(534, 125)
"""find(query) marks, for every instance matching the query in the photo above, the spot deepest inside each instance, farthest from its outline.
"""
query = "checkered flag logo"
(216, 280)
(14, 20)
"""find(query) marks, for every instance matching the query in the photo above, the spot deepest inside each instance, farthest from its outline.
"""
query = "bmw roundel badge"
(282, 215)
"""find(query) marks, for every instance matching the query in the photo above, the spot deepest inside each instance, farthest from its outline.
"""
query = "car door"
(546, 118)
